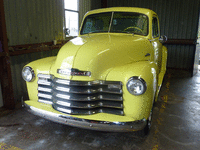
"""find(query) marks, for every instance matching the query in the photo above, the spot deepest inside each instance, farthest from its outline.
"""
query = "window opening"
(71, 17)
(155, 27)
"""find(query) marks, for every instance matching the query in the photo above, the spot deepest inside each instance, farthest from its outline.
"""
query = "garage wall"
(84, 7)
(87, 5)
(178, 20)
(34, 21)
(96, 4)
(29, 22)
(17, 64)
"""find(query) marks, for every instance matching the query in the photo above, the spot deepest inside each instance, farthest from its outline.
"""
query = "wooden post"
(5, 69)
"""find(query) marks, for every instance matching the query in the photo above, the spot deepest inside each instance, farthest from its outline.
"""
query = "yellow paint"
(111, 57)
(39, 66)
(165, 98)
(163, 106)
(162, 110)
(155, 147)
(158, 121)
(4, 146)
(167, 85)
(156, 131)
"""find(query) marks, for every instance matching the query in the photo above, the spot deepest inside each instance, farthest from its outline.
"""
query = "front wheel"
(149, 122)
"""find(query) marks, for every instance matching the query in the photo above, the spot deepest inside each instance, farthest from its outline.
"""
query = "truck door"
(155, 41)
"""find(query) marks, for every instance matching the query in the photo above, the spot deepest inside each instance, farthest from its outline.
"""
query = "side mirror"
(163, 39)
(67, 32)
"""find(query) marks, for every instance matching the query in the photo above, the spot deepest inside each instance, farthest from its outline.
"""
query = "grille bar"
(44, 82)
(88, 112)
(94, 104)
(47, 96)
(46, 101)
(81, 97)
(86, 90)
(44, 89)
(76, 97)
(85, 83)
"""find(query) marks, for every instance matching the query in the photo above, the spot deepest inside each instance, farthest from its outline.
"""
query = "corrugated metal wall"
(84, 7)
(28, 22)
(17, 64)
(87, 5)
(178, 20)
(96, 4)
(33, 21)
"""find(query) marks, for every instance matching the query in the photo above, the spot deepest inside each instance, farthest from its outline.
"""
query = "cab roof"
(123, 9)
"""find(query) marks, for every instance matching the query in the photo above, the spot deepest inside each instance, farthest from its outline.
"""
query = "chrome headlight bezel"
(140, 82)
(28, 71)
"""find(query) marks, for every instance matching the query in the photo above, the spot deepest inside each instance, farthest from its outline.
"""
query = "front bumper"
(88, 124)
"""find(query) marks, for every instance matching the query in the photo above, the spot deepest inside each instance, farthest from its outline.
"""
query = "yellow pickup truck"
(105, 79)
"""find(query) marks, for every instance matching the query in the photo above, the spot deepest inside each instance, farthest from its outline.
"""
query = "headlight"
(136, 86)
(28, 74)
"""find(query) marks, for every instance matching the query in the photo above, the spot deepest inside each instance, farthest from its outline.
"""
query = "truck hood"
(99, 53)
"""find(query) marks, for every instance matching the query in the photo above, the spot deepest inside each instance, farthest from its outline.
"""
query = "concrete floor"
(176, 125)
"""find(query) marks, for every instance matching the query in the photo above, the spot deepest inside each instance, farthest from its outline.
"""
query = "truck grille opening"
(81, 97)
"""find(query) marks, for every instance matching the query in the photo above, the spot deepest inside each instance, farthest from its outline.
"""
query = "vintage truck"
(107, 78)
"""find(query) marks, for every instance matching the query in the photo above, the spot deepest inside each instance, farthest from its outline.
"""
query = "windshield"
(97, 23)
(121, 22)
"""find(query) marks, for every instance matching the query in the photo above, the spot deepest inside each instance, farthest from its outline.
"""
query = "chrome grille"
(81, 97)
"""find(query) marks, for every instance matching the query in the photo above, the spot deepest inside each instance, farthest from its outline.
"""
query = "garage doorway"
(1, 98)
(197, 52)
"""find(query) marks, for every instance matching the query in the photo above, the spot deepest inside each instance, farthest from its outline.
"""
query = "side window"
(155, 32)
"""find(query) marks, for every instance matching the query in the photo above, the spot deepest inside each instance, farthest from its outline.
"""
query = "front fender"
(137, 107)
(39, 66)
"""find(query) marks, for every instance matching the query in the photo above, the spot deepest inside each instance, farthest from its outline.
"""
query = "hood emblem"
(73, 72)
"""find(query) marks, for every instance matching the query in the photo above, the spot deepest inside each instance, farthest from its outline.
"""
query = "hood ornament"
(73, 72)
